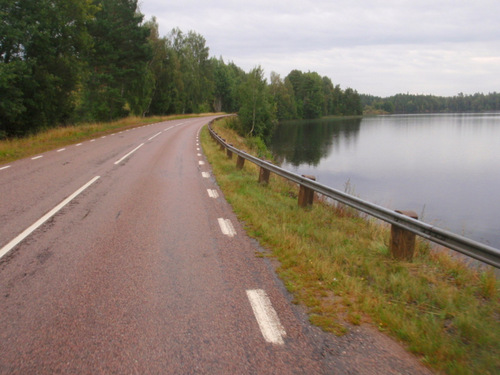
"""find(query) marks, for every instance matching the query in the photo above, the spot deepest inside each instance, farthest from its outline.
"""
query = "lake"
(445, 167)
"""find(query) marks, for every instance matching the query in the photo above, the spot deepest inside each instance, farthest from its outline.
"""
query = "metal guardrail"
(474, 249)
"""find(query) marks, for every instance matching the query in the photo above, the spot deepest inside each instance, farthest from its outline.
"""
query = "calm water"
(445, 167)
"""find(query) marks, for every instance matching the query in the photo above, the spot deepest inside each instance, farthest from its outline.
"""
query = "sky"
(377, 47)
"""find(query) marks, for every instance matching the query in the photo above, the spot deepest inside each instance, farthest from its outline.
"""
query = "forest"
(408, 103)
(72, 61)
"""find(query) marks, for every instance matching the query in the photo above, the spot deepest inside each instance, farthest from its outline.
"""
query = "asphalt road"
(120, 256)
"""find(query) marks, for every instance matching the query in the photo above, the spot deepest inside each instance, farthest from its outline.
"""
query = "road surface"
(120, 255)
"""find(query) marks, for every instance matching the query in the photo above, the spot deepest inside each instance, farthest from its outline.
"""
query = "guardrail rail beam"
(399, 220)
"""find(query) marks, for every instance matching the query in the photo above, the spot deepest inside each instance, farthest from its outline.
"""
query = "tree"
(118, 62)
(352, 102)
(196, 86)
(222, 84)
(284, 98)
(309, 95)
(236, 77)
(295, 77)
(198, 80)
(256, 113)
(42, 50)
(313, 95)
(164, 68)
(328, 94)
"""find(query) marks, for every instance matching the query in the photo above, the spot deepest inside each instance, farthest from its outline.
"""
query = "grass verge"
(337, 264)
(18, 148)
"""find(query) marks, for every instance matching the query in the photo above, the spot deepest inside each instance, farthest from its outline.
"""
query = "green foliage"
(313, 97)
(226, 80)
(194, 85)
(283, 96)
(117, 63)
(42, 45)
(256, 113)
(164, 67)
(408, 103)
(259, 147)
(67, 61)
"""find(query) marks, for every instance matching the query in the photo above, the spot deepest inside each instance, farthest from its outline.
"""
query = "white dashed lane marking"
(156, 135)
(104, 136)
(201, 162)
(130, 153)
(226, 227)
(205, 174)
(212, 193)
(267, 318)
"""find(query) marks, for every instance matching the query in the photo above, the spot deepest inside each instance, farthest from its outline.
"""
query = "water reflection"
(307, 142)
(444, 167)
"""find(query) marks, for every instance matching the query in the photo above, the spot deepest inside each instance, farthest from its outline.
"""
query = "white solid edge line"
(7, 166)
(157, 134)
(130, 153)
(4, 250)
(267, 318)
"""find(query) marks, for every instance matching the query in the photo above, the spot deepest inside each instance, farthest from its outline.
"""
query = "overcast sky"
(377, 47)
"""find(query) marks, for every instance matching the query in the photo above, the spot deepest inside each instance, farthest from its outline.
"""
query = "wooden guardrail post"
(306, 195)
(402, 241)
(240, 162)
(264, 175)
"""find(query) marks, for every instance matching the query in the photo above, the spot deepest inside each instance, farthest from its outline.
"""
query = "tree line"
(70, 61)
(408, 103)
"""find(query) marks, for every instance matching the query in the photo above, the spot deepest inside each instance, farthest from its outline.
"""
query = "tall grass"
(337, 264)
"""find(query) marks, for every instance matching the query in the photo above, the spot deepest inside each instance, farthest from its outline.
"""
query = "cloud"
(379, 47)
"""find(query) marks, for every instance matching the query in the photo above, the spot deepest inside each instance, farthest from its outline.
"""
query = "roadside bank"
(337, 264)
